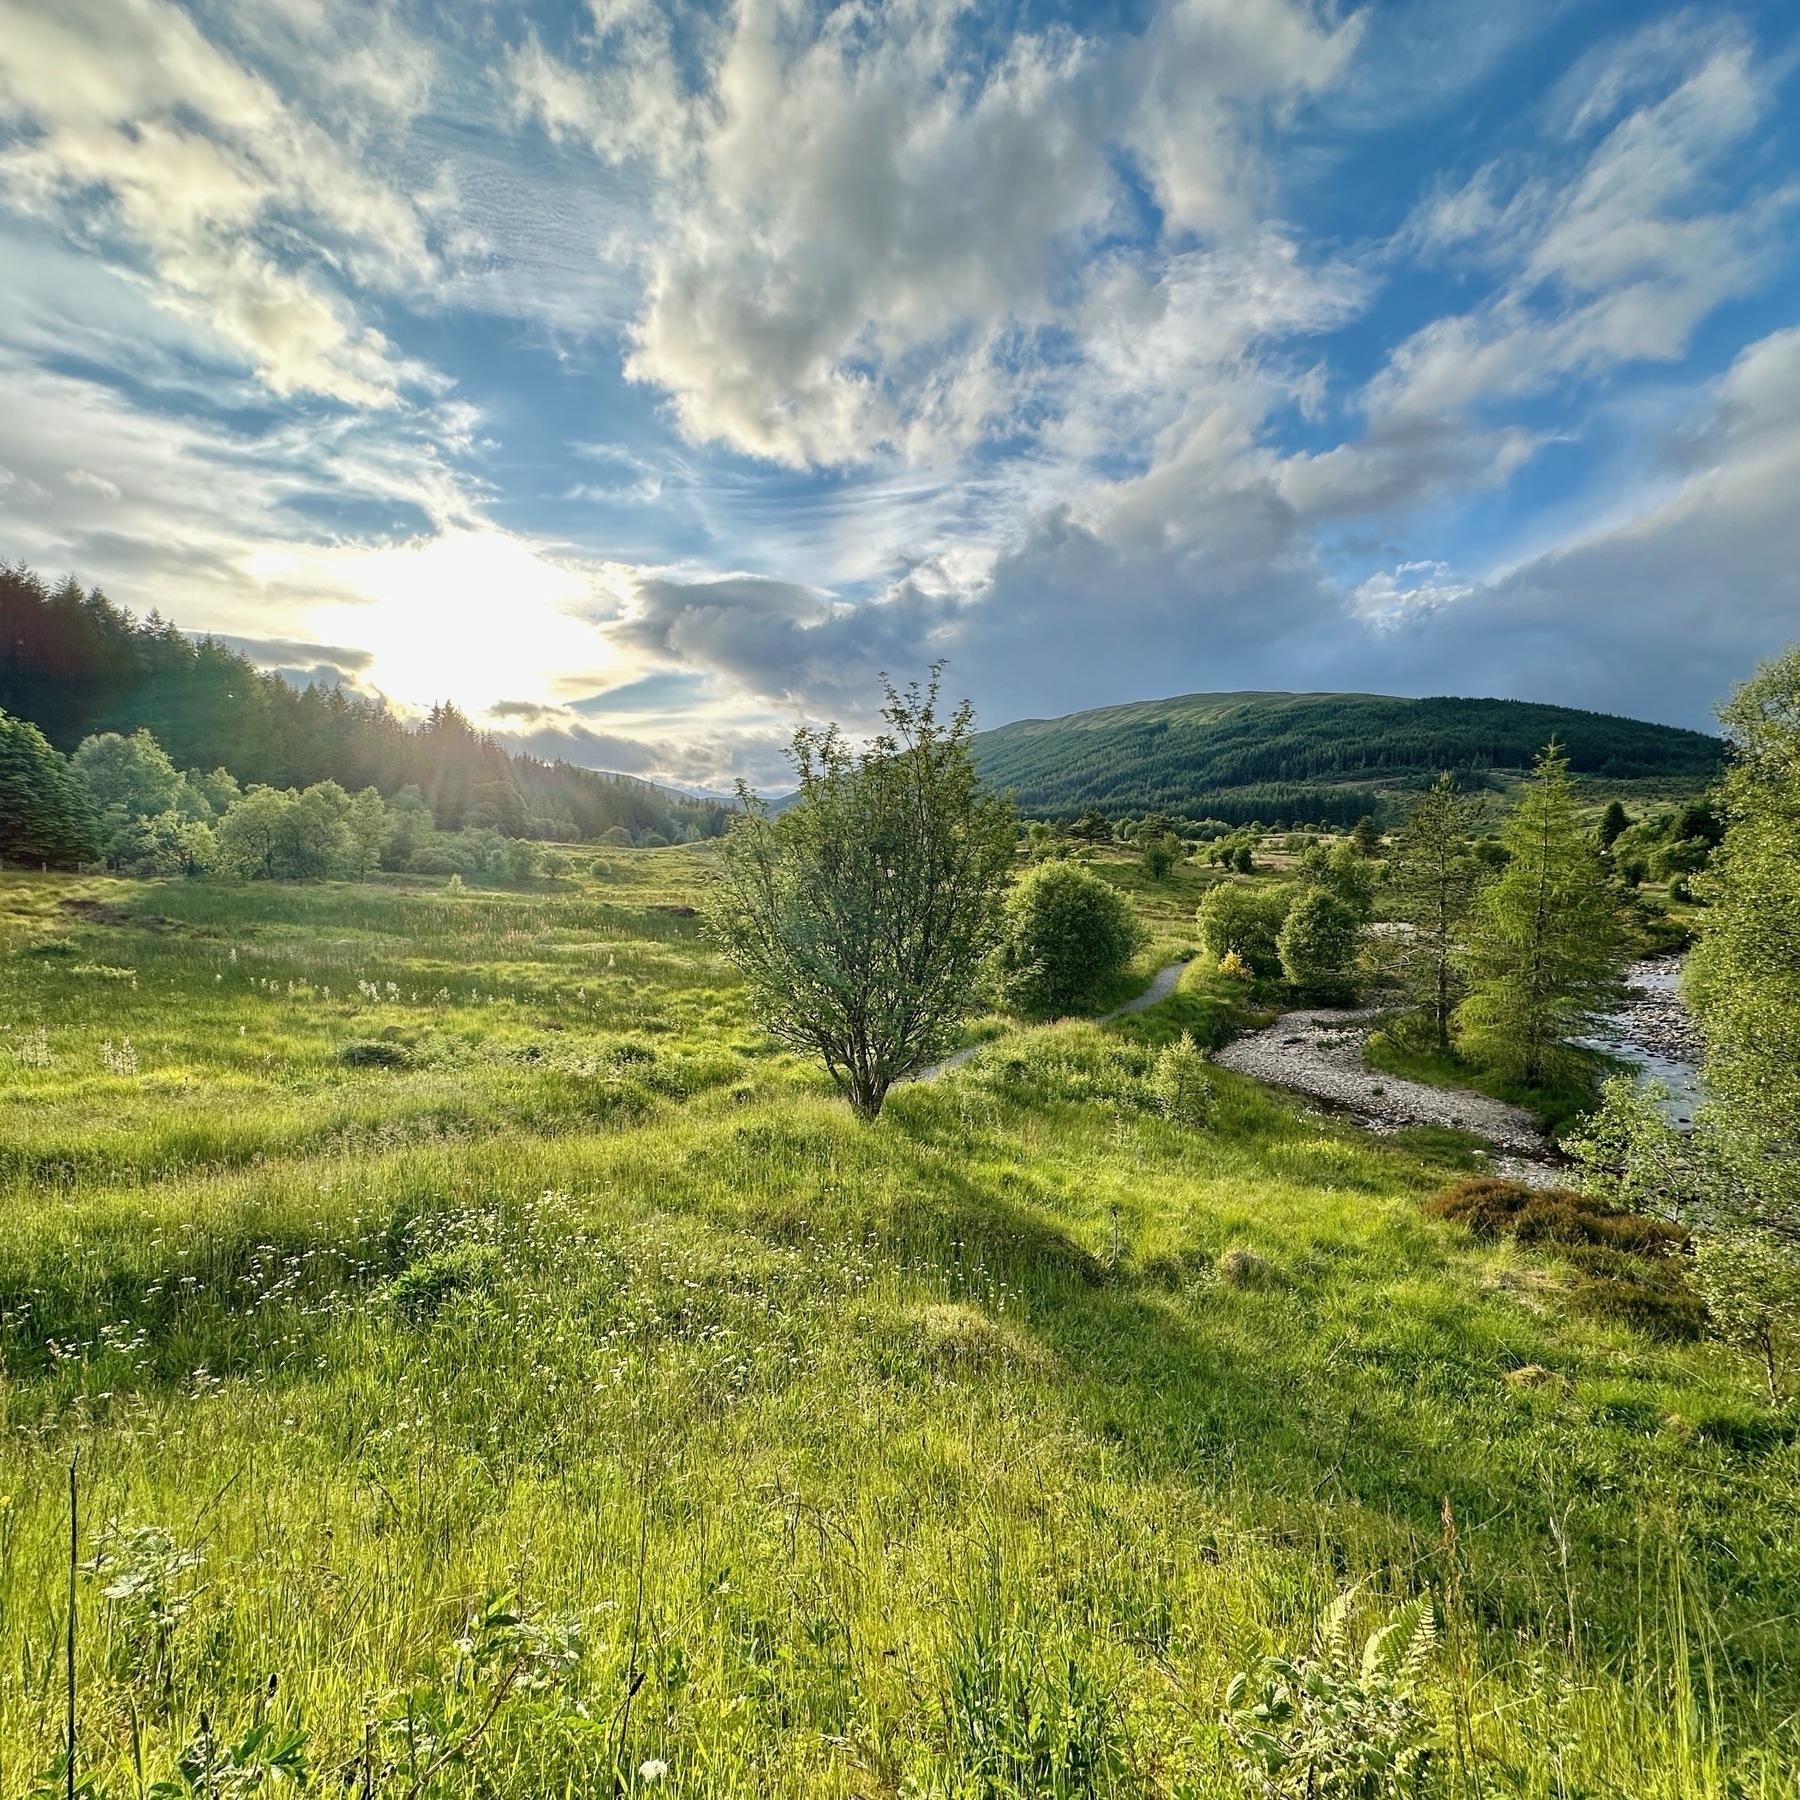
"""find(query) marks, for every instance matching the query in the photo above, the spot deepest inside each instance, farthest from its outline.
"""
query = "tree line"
(76, 666)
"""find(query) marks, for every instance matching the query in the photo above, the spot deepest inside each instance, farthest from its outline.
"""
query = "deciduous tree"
(1743, 979)
(863, 914)
(1066, 933)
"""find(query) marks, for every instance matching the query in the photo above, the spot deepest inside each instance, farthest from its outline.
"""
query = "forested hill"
(1306, 757)
(75, 664)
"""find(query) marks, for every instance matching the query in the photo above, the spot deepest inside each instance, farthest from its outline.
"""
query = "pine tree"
(1615, 821)
(1547, 948)
(1432, 879)
(47, 814)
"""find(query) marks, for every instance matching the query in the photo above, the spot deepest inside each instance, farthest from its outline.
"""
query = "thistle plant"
(1339, 1724)
(146, 1576)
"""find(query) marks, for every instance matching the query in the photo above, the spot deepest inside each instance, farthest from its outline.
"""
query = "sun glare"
(477, 617)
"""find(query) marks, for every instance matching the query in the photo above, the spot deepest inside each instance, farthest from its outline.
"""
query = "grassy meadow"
(491, 1369)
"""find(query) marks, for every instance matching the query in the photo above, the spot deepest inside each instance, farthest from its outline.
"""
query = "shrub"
(1492, 1208)
(1751, 1284)
(1065, 934)
(1318, 946)
(1236, 916)
(616, 835)
(1633, 1274)
(373, 1054)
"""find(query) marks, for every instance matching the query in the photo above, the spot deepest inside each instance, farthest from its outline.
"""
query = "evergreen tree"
(1615, 821)
(862, 916)
(1546, 947)
(1432, 879)
(1744, 978)
(1365, 837)
(47, 814)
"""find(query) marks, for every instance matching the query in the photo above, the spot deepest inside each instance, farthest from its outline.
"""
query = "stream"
(1656, 1034)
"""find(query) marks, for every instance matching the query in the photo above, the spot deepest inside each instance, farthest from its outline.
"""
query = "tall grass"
(554, 1437)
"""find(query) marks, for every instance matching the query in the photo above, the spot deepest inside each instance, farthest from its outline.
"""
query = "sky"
(647, 379)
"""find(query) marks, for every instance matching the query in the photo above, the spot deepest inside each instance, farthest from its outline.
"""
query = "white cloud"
(131, 126)
(1615, 261)
(873, 241)
(1410, 590)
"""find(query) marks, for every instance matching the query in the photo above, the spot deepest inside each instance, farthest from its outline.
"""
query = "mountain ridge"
(1310, 757)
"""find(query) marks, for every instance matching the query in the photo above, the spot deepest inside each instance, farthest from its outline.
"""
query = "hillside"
(1307, 757)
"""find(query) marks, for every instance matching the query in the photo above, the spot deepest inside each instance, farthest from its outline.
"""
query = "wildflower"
(653, 1770)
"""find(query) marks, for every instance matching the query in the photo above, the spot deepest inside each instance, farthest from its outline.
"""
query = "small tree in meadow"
(1246, 919)
(1546, 946)
(1066, 934)
(863, 915)
(1318, 943)
(1750, 1281)
(1432, 879)
(1159, 853)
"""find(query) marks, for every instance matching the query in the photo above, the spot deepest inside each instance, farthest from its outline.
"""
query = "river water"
(1656, 1034)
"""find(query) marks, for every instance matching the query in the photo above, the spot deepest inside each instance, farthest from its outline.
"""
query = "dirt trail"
(1162, 985)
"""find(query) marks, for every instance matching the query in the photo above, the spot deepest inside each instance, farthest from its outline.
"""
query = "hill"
(1308, 758)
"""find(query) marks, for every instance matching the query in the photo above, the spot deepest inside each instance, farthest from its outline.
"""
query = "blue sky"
(647, 378)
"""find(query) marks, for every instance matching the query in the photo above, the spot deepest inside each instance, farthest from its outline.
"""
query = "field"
(489, 1368)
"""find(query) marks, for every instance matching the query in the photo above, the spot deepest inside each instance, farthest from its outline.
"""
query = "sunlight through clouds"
(477, 617)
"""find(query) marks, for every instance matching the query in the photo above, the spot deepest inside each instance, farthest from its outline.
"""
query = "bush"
(1237, 916)
(1633, 1272)
(616, 835)
(1065, 934)
(1318, 946)
(1493, 1208)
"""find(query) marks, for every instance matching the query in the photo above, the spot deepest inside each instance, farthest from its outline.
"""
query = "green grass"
(936, 1457)
(1557, 1105)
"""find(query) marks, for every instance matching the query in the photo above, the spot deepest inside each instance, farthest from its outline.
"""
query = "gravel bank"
(1654, 1017)
(1321, 1053)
